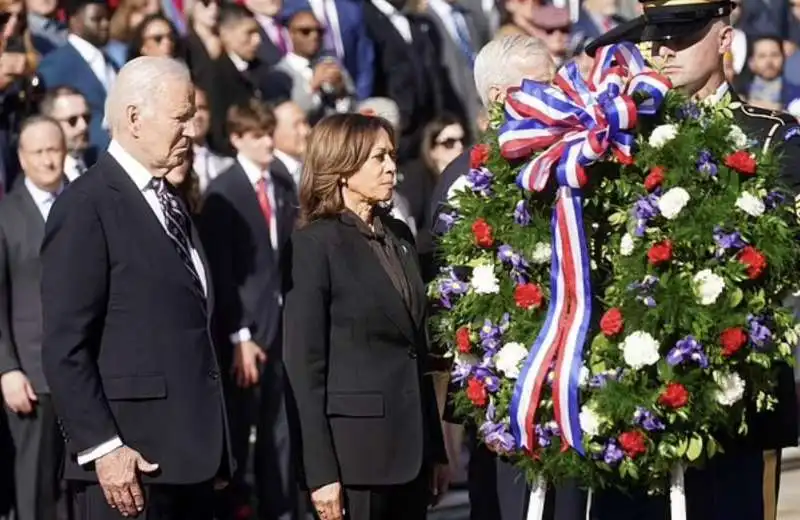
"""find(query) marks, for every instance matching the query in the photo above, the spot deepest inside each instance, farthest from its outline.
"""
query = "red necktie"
(263, 199)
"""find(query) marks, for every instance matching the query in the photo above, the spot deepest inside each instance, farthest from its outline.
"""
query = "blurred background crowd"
(409, 61)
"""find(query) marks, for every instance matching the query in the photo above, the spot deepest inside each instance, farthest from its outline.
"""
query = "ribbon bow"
(574, 124)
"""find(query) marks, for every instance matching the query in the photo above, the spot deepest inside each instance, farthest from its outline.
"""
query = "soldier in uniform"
(688, 40)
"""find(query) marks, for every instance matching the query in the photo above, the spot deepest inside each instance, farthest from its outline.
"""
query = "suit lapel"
(34, 221)
(366, 268)
(146, 228)
(83, 69)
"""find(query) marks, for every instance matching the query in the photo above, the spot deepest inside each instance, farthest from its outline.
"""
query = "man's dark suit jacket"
(128, 344)
(354, 357)
(408, 73)
(247, 270)
(21, 234)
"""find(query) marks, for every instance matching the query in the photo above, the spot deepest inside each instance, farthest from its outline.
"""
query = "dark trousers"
(162, 502)
(38, 449)
(742, 486)
(399, 502)
(264, 407)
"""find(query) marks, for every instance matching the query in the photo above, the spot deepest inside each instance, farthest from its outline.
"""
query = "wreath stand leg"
(677, 494)
(536, 500)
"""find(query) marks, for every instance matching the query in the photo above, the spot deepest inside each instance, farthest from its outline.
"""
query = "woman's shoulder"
(321, 230)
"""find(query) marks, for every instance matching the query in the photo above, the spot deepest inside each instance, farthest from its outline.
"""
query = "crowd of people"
(256, 94)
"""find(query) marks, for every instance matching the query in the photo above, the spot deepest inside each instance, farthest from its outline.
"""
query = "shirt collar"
(40, 196)
(140, 176)
(296, 61)
(385, 7)
(442, 8)
(238, 62)
(265, 21)
(253, 172)
(717, 96)
(88, 51)
(70, 167)
(290, 162)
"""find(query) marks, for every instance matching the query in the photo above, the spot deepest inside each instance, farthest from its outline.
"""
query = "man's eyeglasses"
(72, 121)
(450, 142)
(307, 31)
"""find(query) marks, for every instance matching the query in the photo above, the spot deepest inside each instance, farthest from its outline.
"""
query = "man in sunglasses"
(552, 25)
(689, 41)
(68, 106)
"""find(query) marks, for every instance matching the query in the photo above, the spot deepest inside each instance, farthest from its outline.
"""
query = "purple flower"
(760, 335)
(491, 336)
(773, 200)
(485, 375)
(706, 163)
(450, 288)
(647, 420)
(545, 434)
(726, 241)
(612, 453)
(448, 220)
(497, 437)
(646, 208)
(600, 380)
(687, 349)
(519, 266)
(688, 110)
(462, 370)
(645, 289)
(480, 181)
(521, 215)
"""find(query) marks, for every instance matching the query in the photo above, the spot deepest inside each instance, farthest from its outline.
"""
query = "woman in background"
(154, 36)
(355, 339)
(185, 181)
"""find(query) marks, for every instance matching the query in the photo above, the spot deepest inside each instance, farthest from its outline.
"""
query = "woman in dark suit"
(355, 341)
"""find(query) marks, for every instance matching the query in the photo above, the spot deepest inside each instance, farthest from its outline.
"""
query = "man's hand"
(440, 482)
(246, 358)
(327, 501)
(118, 474)
(18, 392)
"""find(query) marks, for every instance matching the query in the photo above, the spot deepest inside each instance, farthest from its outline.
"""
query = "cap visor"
(630, 31)
(669, 31)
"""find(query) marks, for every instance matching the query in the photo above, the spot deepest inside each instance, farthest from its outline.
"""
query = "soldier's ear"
(725, 38)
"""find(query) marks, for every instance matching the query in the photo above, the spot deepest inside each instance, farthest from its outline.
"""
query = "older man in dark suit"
(128, 309)
(31, 418)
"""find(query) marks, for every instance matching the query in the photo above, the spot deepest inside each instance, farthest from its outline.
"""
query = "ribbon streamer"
(573, 124)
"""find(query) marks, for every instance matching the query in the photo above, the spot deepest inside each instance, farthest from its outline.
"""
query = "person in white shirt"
(68, 106)
(37, 443)
(291, 137)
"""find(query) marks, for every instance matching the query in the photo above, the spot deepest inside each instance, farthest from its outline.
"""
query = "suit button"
(412, 353)
(213, 374)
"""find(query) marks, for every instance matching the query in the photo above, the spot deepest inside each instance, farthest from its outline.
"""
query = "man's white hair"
(140, 83)
(503, 62)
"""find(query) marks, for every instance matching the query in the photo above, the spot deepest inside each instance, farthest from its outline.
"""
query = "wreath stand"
(677, 497)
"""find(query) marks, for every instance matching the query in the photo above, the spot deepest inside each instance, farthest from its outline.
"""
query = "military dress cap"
(664, 20)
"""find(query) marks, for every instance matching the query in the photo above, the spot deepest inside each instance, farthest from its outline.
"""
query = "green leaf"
(735, 297)
(633, 471)
(695, 447)
(680, 450)
(711, 447)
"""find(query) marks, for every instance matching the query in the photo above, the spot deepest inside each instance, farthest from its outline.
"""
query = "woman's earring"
(342, 181)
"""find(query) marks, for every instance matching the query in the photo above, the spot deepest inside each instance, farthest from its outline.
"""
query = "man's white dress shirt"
(42, 198)
(397, 18)
(141, 178)
(73, 167)
(97, 61)
(294, 167)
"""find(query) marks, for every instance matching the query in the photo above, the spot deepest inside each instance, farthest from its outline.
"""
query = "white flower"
(672, 202)
(640, 349)
(750, 204)
(731, 388)
(484, 280)
(542, 253)
(708, 286)
(590, 422)
(583, 376)
(626, 245)
(460, 184)
(509, 358)
(662, 134)
(738, 137)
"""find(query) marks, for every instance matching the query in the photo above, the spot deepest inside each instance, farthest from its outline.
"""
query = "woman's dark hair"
(137, 36)
(429, 135)
(339, 146)
(189, 188)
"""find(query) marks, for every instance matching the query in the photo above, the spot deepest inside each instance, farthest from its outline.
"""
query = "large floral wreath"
(678, 256)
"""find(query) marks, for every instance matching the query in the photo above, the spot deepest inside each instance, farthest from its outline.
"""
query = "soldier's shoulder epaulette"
(775, 116)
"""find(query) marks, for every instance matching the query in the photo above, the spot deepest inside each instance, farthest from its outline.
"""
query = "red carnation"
(528, 296)
(483, 233)
(476, 392)
(633, 443)
(463, 340)
(478, 156)
(625, 160)
(674, 396)
(732, 340)
(660, 252)
(742, 162)
(654, 179)
(612, 323)
(754, 260)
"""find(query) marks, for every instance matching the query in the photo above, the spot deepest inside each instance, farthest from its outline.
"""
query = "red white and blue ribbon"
(572, 123)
